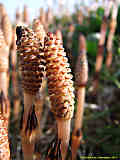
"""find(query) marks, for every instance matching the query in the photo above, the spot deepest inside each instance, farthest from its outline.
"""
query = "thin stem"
(64, 135)
(16, 94)
(100, 52)
(38, 110)
(4, 120)
(27, 147)
(111, 35)
(4, 83)
(80, 107)
(81, 78)
(77, 134)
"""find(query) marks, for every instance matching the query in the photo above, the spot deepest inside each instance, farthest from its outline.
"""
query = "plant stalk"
(27, 147)
(111, 35)
(77, 133)
(100, 52)
(4, 120)
(64, 135)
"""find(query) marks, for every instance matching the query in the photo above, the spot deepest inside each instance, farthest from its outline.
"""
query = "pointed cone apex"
(81, 70)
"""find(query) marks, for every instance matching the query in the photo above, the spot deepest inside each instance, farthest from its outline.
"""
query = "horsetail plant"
(7, 29)
(81, 77)
(113, 23)
(4, 120)
(58, 34)
(4, 54)
(4, 102)
(42, 17)
(25, 15)
(39, 99)
(2, 10)
(38, 28)
(54, 152)
(100, 51)
(31, 65)
(60, 89)
(16, 100)
(18, 17)
(13, 49)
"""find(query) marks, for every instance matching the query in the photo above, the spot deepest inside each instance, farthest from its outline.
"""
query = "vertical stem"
(27, 147)
(4, 120)
(77, 134)
(4, 88)
(39, 102)
(100, 52)
(4, 102)
(109, 58)
(16, 94)
(25, 15)
(4, 142)
(111, 35)
(38, 110)
(81, 78)
(64, 135)
(80, 107)
(13, 59)
(4, 83)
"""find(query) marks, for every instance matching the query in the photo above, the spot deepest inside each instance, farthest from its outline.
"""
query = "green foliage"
(101, 128)
(111, 78)
(100, 12)
(95, 23)
(92, 47)
(104, 136)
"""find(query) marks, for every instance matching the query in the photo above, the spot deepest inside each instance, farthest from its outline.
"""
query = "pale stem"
(64, 135)
(80, 108)
(4, 83)
(38, 111)
(28, 148)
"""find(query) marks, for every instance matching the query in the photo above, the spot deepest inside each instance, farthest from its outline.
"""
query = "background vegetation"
(101, 128)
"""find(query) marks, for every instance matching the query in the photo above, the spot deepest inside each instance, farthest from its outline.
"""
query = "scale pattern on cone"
(60, 84)
(31, 60)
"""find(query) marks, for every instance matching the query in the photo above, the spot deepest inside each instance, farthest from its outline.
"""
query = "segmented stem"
(81, 77)
(31, 65)
(60, 88)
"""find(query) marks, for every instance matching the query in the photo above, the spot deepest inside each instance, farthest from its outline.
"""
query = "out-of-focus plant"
(118, 22)
(95, 20)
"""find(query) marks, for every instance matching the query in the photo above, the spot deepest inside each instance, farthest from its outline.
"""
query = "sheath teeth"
(60, 84)
(31, 59)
